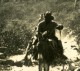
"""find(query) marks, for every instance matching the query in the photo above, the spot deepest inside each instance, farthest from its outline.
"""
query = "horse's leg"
(40, 65)
(63, 67)
(46, 66)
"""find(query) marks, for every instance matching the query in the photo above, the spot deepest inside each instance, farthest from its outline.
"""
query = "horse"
(49, 52)
(45, 52)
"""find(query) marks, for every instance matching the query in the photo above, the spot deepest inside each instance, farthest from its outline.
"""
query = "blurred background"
(18, 19)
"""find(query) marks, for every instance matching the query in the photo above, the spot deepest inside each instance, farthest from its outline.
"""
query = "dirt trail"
(13, 63)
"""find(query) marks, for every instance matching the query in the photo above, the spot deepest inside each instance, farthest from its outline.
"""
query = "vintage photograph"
(39, 35)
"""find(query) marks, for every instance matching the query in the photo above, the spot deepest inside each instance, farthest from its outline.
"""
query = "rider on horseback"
(46, 29)
(46, 43)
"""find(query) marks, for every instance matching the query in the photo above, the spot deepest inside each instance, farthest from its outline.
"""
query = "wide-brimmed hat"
(48, 15)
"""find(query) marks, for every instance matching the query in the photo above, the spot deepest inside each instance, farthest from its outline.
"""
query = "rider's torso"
(50, 28)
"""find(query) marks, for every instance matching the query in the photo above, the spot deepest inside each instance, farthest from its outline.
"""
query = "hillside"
(18, 19)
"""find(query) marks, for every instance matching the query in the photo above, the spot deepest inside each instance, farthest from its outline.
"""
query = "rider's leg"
(59, 45)
(61, 50)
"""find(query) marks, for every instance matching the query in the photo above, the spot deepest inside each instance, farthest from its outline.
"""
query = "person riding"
(46, 30)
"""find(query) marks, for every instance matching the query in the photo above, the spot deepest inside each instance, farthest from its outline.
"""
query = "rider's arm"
(41, 32)
(57, 26)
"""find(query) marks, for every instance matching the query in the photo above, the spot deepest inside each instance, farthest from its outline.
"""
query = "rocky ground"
(16, 63)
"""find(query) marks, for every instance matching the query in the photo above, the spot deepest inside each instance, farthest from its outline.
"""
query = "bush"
(16, 37)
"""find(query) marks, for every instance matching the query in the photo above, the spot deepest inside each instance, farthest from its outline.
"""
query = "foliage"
(14, 32)
(18, 19)
(75, 27)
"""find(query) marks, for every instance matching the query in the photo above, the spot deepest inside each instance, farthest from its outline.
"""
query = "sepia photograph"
(39, 35)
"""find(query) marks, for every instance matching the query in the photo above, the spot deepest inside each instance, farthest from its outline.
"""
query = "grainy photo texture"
(39, 35)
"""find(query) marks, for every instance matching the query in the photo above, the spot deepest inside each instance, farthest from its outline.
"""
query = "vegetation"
(18, 19)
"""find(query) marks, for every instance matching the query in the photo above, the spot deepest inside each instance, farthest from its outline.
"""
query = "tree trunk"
(75, 3)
